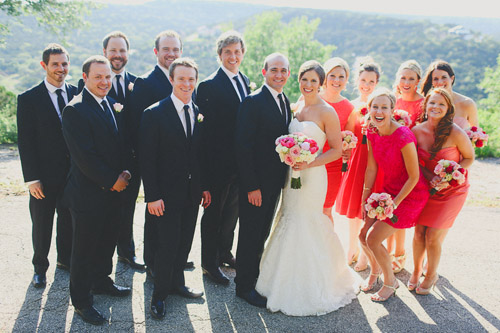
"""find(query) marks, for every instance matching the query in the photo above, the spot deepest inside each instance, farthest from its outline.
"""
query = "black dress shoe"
(228, 261)
(91, 315)
(62, 266)
(189, 265)
(150, 272)
(157, 309)
(216, 275)
(187, 292)
(39, 280)
(132, 262)
(112, 290)
(253, 297)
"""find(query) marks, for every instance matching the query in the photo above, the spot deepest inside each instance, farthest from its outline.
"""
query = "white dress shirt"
(53, 95)
(230, 75)
(179, 106)
(277, 100)
(122, 80)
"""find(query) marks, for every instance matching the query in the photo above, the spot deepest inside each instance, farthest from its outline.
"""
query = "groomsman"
(263, 117)
(149, 89)
(115, 47)
(219, 98)
(99, 171)
(45, 159)
(170, 146)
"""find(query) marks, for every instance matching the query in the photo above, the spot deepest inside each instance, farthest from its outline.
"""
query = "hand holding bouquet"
(402, 117)
(448, 173)
(364, 120)
(477, 136)
(294, 148)
(349, 141)
(381, 207)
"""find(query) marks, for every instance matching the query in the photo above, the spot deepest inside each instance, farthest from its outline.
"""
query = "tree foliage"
(489, 111)
(267, 33)
(8, 126)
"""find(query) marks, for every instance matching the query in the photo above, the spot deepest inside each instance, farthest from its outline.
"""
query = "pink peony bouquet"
(294, 148)
(349, 141)
(477, 136)
(402, 117)
(448, 173)
(381, 207)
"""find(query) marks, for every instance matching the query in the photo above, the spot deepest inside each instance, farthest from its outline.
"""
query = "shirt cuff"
(32, 182)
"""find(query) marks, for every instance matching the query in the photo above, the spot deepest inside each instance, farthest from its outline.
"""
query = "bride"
(303, 271)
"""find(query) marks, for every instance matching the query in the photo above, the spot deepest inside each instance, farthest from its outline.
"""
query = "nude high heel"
(377, 298)
(369, 286)
(427, 291)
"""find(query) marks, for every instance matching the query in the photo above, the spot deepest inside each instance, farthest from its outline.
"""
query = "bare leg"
(355, 225)
(399, 252)
(433, 243)
(418, 255)
(391, 244)
(328, 212)
(374, 267)
(353, 252)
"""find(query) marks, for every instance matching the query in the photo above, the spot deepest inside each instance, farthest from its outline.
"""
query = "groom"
(262, 117)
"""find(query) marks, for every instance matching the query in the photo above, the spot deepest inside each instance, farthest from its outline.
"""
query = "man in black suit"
(170, 146)
(99, 171)
(149, 89)
(263, 117)
(218, 98)
(45, 159)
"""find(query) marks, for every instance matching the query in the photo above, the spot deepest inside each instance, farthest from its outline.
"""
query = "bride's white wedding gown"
(303, 269)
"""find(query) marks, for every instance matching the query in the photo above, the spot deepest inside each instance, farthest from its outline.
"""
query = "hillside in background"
(389, 40)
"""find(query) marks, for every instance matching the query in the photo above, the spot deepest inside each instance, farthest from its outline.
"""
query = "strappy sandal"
(427, 291)
(398, 263)
(369, 286)
(377, 298)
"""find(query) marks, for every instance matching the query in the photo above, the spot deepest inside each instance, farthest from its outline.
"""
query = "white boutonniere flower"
(200, 118)
(130, 86)
(252, 86)
(118, 107)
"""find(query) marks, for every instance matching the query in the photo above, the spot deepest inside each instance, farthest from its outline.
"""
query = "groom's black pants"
(255, 225)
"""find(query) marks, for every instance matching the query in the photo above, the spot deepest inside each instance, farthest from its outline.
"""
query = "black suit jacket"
(128, 77)
(219, 104)
(170, 167)
(259, 124)
(98, 153)
(43, 151)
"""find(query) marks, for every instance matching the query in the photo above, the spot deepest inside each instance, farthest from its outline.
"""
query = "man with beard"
(45, 159)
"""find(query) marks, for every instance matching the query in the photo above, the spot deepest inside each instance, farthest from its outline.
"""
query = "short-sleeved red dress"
(334, 169)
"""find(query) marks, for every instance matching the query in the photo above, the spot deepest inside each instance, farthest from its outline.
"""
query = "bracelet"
(366, 188)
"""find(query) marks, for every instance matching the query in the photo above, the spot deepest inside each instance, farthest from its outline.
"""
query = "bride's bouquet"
(349, 141)
(294, 148)
(381, 207)
(477, 136)
(402, 117)
(448, 173)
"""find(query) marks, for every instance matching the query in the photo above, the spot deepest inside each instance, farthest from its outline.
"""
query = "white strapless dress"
(303, 270)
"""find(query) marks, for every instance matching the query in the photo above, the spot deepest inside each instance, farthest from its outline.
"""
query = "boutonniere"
(252, 86)
(118, 107)
(130, 86)
(200, 118)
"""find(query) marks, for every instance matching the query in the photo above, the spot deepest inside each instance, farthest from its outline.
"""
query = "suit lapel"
(270, 100)
(174, 120)
(246, 81)
(97, 109)
(227, 85)
(52, 112)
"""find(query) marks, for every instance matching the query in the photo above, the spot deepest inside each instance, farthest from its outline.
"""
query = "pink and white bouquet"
(381, 207)
(349, 141)
(448, 173)
(294, 148)
(477, 136)
(402, 117)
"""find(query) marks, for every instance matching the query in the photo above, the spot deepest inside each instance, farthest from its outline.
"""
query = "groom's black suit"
(260, 122)
(219, 102)
(171, 171)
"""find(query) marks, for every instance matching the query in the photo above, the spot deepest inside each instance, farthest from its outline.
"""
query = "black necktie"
(188, 122)
(240, 88)
(119, 94)
(108, 115)
(60, 102)
(282, 106)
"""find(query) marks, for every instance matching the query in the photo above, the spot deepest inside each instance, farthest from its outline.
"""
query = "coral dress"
(387, 154)
(334, 168)
(443, 207)
(349, 196)
(414, 108)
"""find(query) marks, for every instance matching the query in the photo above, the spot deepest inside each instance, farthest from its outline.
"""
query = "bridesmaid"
(348, 201)
(438, 138)
(392, 147)
(405, 86)
(440, 74)
(336, 79)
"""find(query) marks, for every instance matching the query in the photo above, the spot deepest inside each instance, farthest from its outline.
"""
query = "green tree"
(56, 16)
(8, 126)
(266, 34)
(489, 111)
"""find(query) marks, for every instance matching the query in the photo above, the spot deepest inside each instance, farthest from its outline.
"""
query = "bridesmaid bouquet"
(448, 173)
(364, 122)
(381, 207)
(294, 148)
(477, 136)
(402, 117)
(349, 141)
